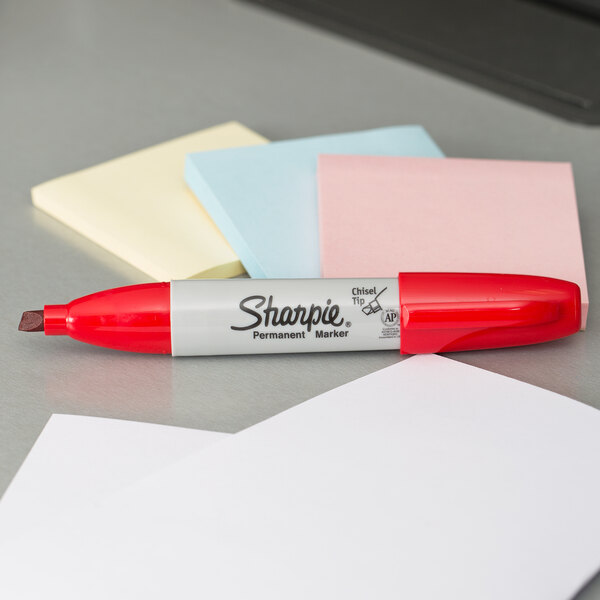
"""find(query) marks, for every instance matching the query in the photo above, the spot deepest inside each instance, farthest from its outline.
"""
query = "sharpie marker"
(415, 313)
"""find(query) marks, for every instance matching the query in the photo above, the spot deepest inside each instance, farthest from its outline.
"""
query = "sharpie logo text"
(263, 312)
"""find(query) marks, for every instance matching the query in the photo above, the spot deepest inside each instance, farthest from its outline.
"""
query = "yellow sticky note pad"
(139, 207)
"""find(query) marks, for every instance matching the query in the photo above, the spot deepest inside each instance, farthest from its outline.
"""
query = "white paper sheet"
(78, 459)
(429, 479)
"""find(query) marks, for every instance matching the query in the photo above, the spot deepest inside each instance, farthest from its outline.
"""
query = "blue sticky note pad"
(264, 198)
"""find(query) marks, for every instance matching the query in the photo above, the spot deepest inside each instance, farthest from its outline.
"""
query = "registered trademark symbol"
(348, 324)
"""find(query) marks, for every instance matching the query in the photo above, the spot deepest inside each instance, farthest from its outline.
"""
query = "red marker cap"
(481, 311)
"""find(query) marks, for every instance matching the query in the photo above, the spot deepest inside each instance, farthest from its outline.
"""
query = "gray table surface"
(83, 82)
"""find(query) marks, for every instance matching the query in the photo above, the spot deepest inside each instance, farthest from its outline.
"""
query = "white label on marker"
(258, 316)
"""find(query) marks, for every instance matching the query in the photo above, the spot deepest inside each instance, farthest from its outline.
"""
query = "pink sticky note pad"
(380, 215)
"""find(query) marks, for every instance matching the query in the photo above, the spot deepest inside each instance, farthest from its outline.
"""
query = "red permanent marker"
(417, 313)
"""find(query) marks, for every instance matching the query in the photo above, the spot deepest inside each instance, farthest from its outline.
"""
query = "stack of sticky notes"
(428, 479)
(264, 199)
(365, 203)
(139, 208)
(381, 215)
